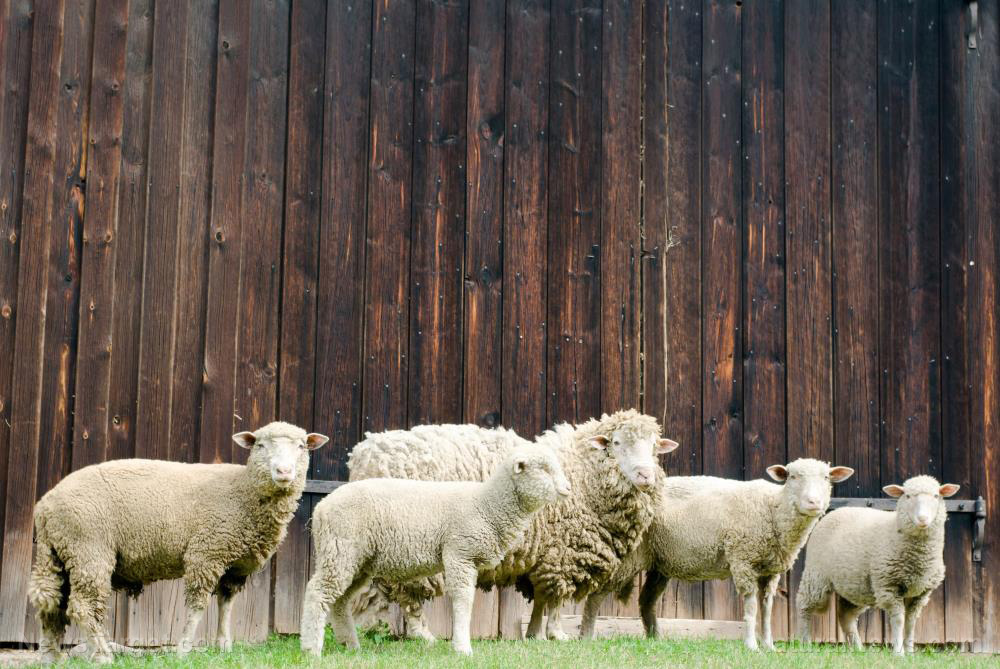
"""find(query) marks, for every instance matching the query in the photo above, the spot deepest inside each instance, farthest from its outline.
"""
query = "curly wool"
(572, 546)
(125, 523)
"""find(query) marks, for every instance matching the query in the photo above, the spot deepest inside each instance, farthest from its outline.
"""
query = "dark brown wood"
(671, 275)
(909, 242)
(90, 437)
(722, 244)
(438, 217)
(484, 277)
(389, 209)
(29, 337)
(574, 231)
(621, 169)
(340, 322)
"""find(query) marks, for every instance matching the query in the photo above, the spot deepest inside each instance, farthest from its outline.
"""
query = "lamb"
(572, 546)
(892, 560)
(399, 529)
(709, 528)
(125, 523)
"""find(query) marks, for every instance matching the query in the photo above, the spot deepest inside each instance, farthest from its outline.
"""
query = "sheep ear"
(599, 442)
(519, 465)
(778, 473)
(949, 489)
(244, 439)
(838, 474)
(893, 490)
(314, 440)
(665, 446)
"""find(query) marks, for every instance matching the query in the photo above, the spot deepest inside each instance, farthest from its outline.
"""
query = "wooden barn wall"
(772, 225)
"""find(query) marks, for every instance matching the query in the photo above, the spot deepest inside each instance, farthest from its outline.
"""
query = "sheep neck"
(791, 528)
(504, 506)
(274, 506)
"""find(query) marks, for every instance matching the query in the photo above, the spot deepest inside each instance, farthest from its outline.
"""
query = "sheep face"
(537, 475)
(279, 452)
(921, 502)
(635, 452)
(808, 483)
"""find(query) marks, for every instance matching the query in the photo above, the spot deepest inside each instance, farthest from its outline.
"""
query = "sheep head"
(537, 476)
(279, 452)
(633, 439)
(921, 502)
(809, 483)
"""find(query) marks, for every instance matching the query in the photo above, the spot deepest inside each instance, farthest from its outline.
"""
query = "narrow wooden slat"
(29, 336)
(341, 283)
(484, 218)
(303, 205)
(621, 173)
(90, 438)
(525, 223)
(909, 239)
(389, 208)
(438, 213)
(574, 233)
(721, 216)
(15, 51)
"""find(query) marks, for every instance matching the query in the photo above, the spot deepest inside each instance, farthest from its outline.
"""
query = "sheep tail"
(48, 587)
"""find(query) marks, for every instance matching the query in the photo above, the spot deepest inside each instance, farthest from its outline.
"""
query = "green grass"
(379, 650)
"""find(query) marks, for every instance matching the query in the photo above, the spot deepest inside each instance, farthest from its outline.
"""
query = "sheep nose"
(643, 478)
(923, 520)
(283, 473)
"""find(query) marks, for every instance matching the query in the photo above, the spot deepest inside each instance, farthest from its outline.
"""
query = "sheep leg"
(750, 618)
(415, 626)
(223, 636)
(200, 580)
(90, 588)
(342, 617)
(537, 615)
(649, 596)
(460, 583)
(590, 608)
(813, 597)
(553, 625)
(768, 586)
(897, 620)
(847, 616)
(48, 593)
(913, 609)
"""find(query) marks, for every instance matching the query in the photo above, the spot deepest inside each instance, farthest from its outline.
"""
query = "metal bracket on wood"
(978, 530)
(973, 34)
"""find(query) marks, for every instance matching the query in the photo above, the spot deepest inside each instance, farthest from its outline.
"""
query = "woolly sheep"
(572, 546)
(710, 528)
(399, 529)
(125, 523)
(892, 560)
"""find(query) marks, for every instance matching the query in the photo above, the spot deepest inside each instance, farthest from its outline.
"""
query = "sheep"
(892, 560)
(400, 529)
(572, 546)
(122, 524)
(709, 528)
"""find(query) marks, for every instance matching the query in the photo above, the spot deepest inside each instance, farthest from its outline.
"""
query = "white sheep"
(399, 529)
(892, 560)
(125, 523)
(711, 528)
(572, 546)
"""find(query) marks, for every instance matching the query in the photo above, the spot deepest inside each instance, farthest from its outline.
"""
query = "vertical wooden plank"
(226, 229)
(763, 128)
(525, 212)
(957, 465)
(909, 234)
(90, 439)
(722, 242)
(982, 145)
(574, 251)
(341, 284)
(438, 218)
(621, 176)
(28, 363)
(671, 286)
(300, 267)
(854, 244)
(15, 51)
(808, 246)
(131, 232)
(389, 208)
(484, 218)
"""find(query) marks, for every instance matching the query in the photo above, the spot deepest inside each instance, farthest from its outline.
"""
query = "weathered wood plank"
(722, 241)
(484, 278)
(671, 306)
(389, 209)
(525, 224)
(670, 628)
(574, 233)
(438, 213)
(339, 342)
(909, 239)
(621, 175)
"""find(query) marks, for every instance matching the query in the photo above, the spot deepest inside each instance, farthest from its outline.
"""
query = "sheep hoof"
(464, 649)
(423, 635)
(767, 645)
(751, 644)
(102, 658)
(225, 645)
(52, 657)
(557, 635)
